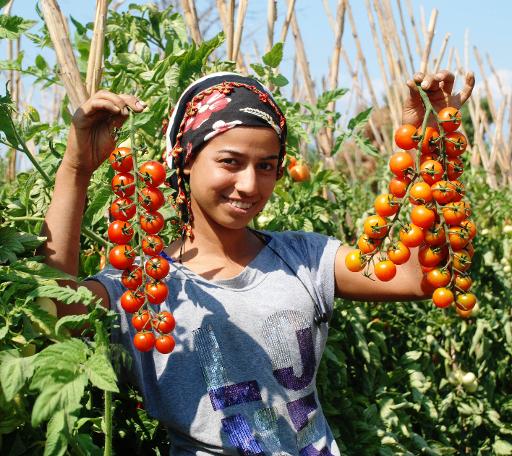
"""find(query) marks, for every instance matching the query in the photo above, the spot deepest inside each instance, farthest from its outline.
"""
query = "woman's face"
(233, 176)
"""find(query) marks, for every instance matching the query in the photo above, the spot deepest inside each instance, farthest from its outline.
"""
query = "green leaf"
(13, 242)
(11, 27)
(279, 80)
(56, 442)
(96, 208)
(66, 295)
(360, 119)
(259, 69)
(366, 146)
(70, 321)
(274, 56)
(100, 373)
(45, 321)
(329, 96)
(64, 394)
(14, 372)
(502, 448)
(411, 356)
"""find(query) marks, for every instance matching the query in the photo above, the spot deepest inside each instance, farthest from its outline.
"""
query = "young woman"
(252, 308)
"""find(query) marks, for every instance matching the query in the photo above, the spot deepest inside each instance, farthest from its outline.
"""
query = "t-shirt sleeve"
(314, 255)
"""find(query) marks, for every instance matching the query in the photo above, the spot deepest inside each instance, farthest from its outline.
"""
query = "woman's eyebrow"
(239, 154)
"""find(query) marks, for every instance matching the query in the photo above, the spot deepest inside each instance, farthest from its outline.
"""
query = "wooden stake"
(488, 92)
(59, 34)
(430, 37)
(410, 11)
(437, 62)
(328, 13)
(271, 20)
(231, 24)
(335, 61)
(405, 36)
(95, 62)
(494, 72)
(190, 13)
(240, 19)
(286, 25)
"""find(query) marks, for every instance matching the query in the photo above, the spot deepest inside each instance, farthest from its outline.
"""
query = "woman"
(252, 308)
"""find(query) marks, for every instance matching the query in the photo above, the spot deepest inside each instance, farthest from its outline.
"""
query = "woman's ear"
(188, 166)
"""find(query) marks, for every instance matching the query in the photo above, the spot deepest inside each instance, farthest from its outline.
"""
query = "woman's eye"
(228, 161)
(267, 166)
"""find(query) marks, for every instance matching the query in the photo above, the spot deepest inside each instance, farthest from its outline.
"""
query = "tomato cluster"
(438, 221)
(145, 285)
(299, 171)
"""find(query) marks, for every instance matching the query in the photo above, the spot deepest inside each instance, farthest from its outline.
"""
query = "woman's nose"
(247, 181)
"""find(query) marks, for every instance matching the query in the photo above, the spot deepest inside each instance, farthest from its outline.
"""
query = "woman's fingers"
(469, 84)
(445, 80)
(122, 101)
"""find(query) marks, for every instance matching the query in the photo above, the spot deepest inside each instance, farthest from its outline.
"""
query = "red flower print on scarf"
(205, 108)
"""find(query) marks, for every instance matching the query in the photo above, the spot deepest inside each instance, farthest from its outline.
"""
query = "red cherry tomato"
(153, 173)
(450, 118)
(152, 222)
(156, 292)
(152, 244)
(151, 198)
(120, 232)
(132, 277)
(164, 322)
(121, 159)
(430, 140)
(123, 184)
(455, 144)
(140, 320)
(121, 256)
(165, 344)
(404, 137)
(122, 209)
(157, 267)
(132, 301)
(144, 341)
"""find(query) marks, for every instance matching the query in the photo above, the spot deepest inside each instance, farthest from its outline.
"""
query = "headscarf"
(208, 107)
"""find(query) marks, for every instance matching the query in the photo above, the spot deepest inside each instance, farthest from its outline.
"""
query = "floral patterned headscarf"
(207, 108)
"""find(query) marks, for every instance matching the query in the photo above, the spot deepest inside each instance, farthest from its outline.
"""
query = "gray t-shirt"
(241, 379)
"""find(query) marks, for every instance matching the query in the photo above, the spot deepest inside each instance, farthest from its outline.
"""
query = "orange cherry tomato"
(430, 156)
(430, 140)
(438, 277)
(386, 205)
(454, 213)
(435, 235)
(443, 192)
(450, 118)
(466, 301)
(463, 282)
(470, 249)
(398, 186)
(404, 137)
(463, 313)
(353, 261)
(431, 171)
(422, 216)
(399, 253)
(431, 256)
(459, 190)
(457, 237)
(300, 172)
(461, 260)
(375, 226)
(420, 193)
(454, 168)
(469, 227)
(455, 144)
(401, 164)
(367, 244)
(385, 270)
(411, 235)
(442, 297)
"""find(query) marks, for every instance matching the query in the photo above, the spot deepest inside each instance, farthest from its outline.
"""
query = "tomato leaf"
(13, 242)
(11, 27)
(14, 372)
(360, 119)
(70, 321)
(100, 373)
(64, 394)
(56, 441)
(66, 295)
(274, 56)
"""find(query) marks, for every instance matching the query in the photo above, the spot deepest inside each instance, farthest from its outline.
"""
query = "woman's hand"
(439, 88)
(92, 134)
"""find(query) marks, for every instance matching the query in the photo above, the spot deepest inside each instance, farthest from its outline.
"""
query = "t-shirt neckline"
(252, 274)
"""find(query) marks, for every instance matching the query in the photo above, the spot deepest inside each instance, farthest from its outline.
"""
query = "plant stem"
(108, 424)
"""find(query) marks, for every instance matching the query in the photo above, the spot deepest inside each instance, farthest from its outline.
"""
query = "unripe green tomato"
(470, 382)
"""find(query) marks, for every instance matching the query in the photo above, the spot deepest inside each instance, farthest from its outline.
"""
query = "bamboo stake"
(59, 34)
(271, 20)
(488, 92)
(240, 19)
(405, 36)
(494, 72)
(230, 31)
(286, 25)
(410, 11)
(430, 37)
(423, 23)
(95, 62)
(450, 59)
(223, 15)
(380, 61)
(392, 30)
(190, 13)
(335, 61)
(437, 62)
(466, 49)
(13, 77)
(328, 13)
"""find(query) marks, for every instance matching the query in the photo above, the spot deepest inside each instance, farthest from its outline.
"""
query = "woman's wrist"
(76, 171)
